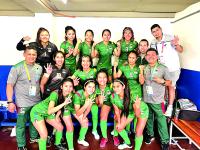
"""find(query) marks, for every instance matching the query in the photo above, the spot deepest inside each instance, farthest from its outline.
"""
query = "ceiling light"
(64, 1)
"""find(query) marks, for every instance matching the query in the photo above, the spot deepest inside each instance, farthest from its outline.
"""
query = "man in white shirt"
(168, 48)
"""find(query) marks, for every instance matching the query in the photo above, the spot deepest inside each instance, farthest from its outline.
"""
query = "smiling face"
(89, 36)
(90, 88)
(128, 35)
(143, 46)
(106, 36)
(85, 62)
(102, 78)
(30, 56)
(151, 57)
(44, 36)
(59, 59)
(67, 88)
(70, 35)
(132, 58)
(118, 87)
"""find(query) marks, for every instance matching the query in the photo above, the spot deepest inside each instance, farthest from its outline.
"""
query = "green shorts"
(144, 111)
(37, 116)
(68, 112)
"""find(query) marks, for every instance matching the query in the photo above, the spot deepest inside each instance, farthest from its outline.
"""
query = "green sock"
(115, 131)
(125, 137)
(135, 123)
(138, 142)
(58, 137)
(103, 126)
(42, 144)
(70, 141)
(94, 111)
(128, 127)
(82, 133)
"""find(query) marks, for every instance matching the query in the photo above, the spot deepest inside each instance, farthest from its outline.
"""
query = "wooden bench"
(190, 129)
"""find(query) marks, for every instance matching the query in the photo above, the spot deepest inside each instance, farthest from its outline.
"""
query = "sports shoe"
(168, 112)
(60, 147)
(116, 140)
(103, 142)
(96, 135)
(22, 148)
(33, 140)
(124, 145)
(148, 139)
(112, 132)
(165, 146)
(83, 142)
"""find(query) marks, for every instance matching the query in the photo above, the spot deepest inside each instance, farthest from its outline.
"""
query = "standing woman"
(127, 44)
(104, 51)
(103, 91)
(49, 110)
(120, 100)
(70, 48)
(54, 74)
(83, 101)
(45, 49)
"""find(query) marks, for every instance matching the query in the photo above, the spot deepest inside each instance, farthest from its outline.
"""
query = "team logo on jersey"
(49, 49)
(58, 76)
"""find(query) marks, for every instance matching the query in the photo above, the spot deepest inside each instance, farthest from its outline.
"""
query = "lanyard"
(152, 71)
(27, 72)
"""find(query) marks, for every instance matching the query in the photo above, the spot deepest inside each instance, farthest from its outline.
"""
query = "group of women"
(76, 88)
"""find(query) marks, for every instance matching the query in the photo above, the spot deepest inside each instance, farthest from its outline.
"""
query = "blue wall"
(188, 86)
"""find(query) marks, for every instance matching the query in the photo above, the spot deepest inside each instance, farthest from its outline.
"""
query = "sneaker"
(103, 142)
(60, 147)
(112, 132)
(96, 135)
(124, 145)
(83, 142)
(33, 140)
(168, 112)
(148, 139)
(22, 148)
(165, 146)
(116, 140)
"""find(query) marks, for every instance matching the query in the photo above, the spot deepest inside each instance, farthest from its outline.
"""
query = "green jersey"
(141, 61)
(42, 107)
(107, 92)
(125, 49)
(79, 97)
(117, 101)
(70, 62)
(85, 49)
(105, 53)
(85, 75)
(132, 75)
(70, 106)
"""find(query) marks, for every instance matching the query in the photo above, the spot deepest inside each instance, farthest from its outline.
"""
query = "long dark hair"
(103, 70)
(67, 28)
(41, 29)
(126, 101)
(61, 98)
(130, 29)
(89, 30)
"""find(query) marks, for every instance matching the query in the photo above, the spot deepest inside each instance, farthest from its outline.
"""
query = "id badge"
(32, 90)
(149, 90)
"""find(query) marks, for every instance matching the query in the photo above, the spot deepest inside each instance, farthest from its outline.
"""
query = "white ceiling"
(95, 8)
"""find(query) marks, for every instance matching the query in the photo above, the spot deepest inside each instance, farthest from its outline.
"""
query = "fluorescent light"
(64, 1)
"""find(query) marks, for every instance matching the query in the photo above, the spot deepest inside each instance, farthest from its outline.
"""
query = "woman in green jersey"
(103, 92)
(126, 44)
(49, 111)
(70, 48)
(104, 51)
(83, 101)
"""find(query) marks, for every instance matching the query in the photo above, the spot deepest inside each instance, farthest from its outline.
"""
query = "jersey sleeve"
(53, 97)
(12, 77)
(77, 99)
(76, 73)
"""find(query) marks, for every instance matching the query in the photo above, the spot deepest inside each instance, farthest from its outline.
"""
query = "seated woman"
(83, 101)
(49, 110)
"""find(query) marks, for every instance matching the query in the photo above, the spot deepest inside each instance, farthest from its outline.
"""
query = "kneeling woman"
(49, 110)
(137, 109)
(83, 101)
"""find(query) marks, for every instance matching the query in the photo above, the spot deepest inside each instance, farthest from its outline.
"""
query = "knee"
(59, 127)
(85, 123)
(43, 135)
(70, 128)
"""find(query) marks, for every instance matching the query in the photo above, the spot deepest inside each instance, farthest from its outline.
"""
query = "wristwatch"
(8, 102)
